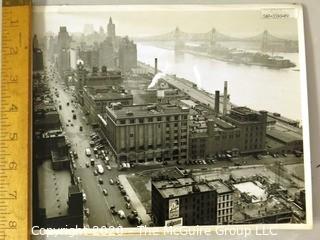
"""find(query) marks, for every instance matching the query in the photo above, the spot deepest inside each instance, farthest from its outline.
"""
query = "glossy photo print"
(149, 117)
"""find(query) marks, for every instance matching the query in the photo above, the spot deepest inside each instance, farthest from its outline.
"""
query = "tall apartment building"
(185, 201)
(107, 54)
(127, 54)
(64, 41)
(252, 127)
(147, 132)
(224, 202)
(37, 56)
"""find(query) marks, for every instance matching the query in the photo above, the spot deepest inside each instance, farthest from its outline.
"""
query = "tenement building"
(185, 201)
(147, 132)
(252, 125)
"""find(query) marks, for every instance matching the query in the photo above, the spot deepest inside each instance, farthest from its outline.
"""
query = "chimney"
(94, 70)
(155, 66)
(104, 69)
(217, 102)
(225, 97)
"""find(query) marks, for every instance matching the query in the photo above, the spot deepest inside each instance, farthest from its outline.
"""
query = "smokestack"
(217, 102)
(104, 69)
(225, 97)
(155, 66)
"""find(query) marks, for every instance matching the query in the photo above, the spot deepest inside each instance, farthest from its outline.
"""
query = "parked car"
(113, 210)
(100, 181)
(126, 197)
(87, 212)
(105, 192)
(92, 161)
(79, 179)
(111, 181)
(87, 164)
(95, 172)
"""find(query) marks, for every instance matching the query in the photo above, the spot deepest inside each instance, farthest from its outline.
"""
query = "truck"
(88, 152)
(100, 169)
(121, 214)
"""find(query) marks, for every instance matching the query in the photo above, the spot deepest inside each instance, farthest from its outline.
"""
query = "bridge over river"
(266, 40)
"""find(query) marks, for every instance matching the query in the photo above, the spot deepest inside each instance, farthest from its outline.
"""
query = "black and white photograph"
(169, 116)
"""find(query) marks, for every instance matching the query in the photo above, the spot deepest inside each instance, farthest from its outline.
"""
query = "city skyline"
(133, 22)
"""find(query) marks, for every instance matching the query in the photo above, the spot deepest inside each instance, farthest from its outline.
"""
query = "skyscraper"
(111, 29)
(63, 50)
(37, 55)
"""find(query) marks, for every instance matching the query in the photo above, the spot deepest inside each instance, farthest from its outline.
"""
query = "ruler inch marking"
(15, 119)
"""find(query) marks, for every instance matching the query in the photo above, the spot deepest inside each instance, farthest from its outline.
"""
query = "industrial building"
(142, 133)
(252, 126)
(282, 140)
(96, 99)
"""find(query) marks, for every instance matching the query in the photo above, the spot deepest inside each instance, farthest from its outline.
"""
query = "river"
(260, 88)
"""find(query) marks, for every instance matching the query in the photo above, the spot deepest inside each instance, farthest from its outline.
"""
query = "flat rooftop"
(185, 185)
(147, 110)
(53, 189)
(108, 94)
(222, 123)
(282, 135)
(269, 207)
(253, 189)
(219, 186)
(188, 102)
(282, 118)
(243, 110)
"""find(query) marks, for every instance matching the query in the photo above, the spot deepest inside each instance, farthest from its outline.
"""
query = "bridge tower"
(179, 43)
(265, 41)
(212, 39)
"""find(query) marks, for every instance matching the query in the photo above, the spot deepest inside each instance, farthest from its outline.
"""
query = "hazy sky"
(151, 20)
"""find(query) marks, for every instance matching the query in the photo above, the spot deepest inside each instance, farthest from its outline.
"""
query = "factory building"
(147, 132)
(185, 201)
(281, 140)
(96, 99)
(252, 127)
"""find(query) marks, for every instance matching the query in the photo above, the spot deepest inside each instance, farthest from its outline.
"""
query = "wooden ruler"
(15, 120)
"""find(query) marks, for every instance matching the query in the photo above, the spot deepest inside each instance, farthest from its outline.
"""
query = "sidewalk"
(135, 202)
